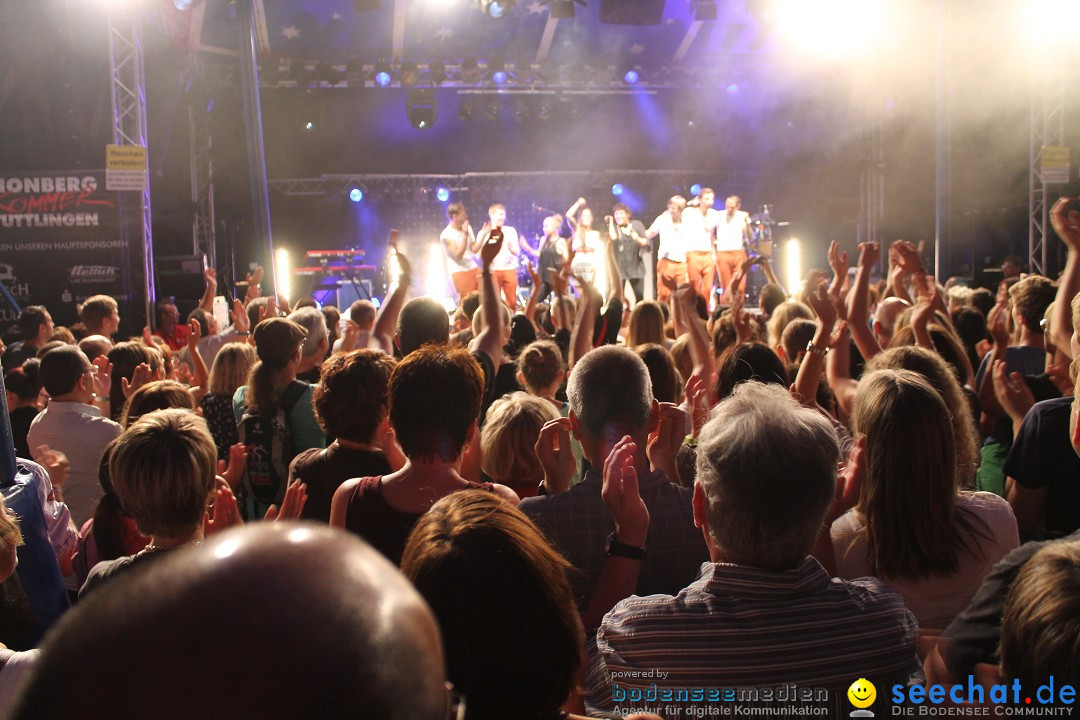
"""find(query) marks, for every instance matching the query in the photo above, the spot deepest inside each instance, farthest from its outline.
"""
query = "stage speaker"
(632, 12)
(348, 293)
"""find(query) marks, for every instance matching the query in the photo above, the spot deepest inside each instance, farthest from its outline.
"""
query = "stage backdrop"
(61, 241)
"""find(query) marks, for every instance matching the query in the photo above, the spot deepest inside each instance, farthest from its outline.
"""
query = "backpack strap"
(292, 395)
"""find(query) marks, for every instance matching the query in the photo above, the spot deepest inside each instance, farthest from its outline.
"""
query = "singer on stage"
(459, 244)
(732, 236)
(504, 266)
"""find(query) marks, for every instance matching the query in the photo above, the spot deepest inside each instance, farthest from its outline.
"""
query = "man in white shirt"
(671, 256)
(505, 265)
(74, 426)
(700, 260)
(459, 245)
(732, 234)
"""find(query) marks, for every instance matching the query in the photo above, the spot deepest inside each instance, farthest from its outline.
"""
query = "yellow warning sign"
(125, 157)
(1055, 164)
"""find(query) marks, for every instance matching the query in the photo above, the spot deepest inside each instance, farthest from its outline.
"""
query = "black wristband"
(614, 547)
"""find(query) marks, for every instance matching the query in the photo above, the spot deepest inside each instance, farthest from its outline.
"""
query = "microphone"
(541, 208)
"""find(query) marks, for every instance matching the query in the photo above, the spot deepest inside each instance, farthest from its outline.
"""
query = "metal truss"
(202, 183)
(422, 185)
(1047, 128)
(129, 128)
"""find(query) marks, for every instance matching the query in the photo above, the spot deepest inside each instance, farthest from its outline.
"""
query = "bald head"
(888, 312)
(271, 620)
(94, 346)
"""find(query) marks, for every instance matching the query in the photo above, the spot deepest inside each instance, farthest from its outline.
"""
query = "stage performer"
(504, 266)
(671, 256)
(630, 241)
(732, 235)
(702, 221)
(550, 253)
(459, 243)
(588, 245)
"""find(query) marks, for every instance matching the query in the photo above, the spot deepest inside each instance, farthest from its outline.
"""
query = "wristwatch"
(614, 547)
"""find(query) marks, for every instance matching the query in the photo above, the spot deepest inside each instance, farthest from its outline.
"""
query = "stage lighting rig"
(496, 8)
(421, 109)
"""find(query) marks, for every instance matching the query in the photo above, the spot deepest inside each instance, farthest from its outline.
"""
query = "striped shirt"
(577, 522)
(741, 627)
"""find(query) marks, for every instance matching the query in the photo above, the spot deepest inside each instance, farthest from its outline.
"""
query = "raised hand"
(1012, 392)
(210, 276)
(556, 457)
(995, 325)
(140, 377)
(233, 471)
(869, 253)
(239, 317)
(225, 512)
(849, 481)
(195, 334)
(292, 504)
(823, 306)
(665, 441)
(55, 463)
(102, 376)
(696, 392)
(1066, 223)
(622, 494)
(491, 248)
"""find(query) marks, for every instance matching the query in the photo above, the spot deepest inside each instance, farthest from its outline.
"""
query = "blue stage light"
(631, 77)
(617, 189)
(499, 77)
(732, 89)
(695, 189)
(382, 78)
(356, 195)
(442, 193)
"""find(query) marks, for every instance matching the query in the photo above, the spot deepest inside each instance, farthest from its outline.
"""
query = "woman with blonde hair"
(508, 439)
(912, 526)
(230, 370)
(941, 377)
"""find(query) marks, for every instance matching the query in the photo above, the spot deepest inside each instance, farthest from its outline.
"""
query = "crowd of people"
(553, 510)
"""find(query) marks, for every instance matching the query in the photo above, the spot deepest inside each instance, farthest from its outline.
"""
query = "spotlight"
(382, 73)
(631, 77)
(617, 189)
(496, 8)
(437, 70)
(421, 108)
(356, 193)
(733, 89)
(465, 111)
(493, 110)
(442, 193)
(408, 74)
(695, 189)
(543, 110)
(309, 125)
(282, 273)
(498, 71)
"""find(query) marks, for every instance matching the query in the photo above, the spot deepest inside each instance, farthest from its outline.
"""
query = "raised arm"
(582, 335)
(859, 299)
(704, 362)
(199, 375)
(206, 303)
(838, 370)
(386, 323)
(813, 364)
(1067, 226)
(489, 341)
(770, 275)
(619, 575)
(572, 211)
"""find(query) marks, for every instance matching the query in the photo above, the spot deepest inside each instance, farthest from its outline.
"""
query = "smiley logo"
(862, 693)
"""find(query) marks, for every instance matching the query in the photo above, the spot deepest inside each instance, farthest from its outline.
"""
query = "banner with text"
(61, 241)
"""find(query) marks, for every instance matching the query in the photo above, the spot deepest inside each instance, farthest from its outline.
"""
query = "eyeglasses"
(455, 703)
